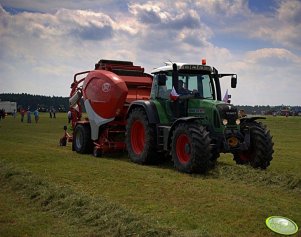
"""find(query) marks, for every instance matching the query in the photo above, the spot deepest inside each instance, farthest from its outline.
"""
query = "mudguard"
(251, 119)
(174, 125)
(150, 109)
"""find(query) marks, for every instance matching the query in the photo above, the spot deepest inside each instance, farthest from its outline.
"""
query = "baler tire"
(260, 153)
(190, 146)
(141, 138)
(82, 139)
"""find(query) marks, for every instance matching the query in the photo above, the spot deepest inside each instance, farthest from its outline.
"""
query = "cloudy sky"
(44, 43)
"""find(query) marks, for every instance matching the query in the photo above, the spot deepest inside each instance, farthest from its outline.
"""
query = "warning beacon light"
(204, 61)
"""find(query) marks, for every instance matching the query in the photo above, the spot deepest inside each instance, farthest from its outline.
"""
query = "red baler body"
(107, 92)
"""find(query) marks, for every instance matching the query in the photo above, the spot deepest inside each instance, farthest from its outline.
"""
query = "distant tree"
(25, 100)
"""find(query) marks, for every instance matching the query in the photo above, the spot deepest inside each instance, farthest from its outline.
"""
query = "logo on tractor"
(106, 87)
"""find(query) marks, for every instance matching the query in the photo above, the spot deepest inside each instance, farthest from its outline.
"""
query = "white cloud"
(223, 8)
(149, 13)
(281, 28)
(267, 76)
(290, 11)
(40, 52)
(271, 54)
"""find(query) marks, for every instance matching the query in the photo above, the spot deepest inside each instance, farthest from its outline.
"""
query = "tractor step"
(162, 138)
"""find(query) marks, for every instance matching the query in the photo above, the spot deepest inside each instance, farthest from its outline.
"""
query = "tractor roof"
(182, 66)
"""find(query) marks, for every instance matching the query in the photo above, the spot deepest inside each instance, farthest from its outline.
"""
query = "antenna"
(169, 62)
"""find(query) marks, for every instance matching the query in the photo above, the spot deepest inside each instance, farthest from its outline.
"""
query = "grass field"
(48, 190)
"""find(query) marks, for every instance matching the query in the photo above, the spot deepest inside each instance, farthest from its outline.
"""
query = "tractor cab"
(174, 94)
(190, 79)
(185, 90)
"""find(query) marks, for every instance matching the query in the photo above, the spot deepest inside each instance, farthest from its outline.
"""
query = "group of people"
(52, 112)
(28, 114)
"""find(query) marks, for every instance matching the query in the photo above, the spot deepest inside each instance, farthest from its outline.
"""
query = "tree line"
(41, 102)
(44, 103)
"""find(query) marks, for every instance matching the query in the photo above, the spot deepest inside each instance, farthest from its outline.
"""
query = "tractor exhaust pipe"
(175, 83)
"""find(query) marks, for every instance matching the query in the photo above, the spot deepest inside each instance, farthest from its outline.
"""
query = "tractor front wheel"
(82, 139)
(140, 138)
(191, 148)
(260, 152)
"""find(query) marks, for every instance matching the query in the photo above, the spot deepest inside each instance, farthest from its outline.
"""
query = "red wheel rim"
(183, 148)
(137, 137)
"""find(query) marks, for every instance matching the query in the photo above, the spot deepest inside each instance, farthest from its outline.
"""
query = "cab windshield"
(199, 84)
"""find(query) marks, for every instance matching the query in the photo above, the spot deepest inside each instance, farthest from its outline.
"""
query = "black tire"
(141, 138)
(191, 151)
(63, 141)
(214, 156)
(260, 153)
(82, 139)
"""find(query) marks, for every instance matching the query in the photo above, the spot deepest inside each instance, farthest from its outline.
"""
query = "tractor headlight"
(237, 121)
(225, 122)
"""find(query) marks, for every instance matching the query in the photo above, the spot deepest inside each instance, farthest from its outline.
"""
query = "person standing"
(53, 111)
(28, 116)
(36, 115)
(14, 114)
(50, 112)
(3, 113)
(69, 116)
(22, 112)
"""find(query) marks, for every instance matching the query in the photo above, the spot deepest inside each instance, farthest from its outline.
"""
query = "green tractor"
(185, 118)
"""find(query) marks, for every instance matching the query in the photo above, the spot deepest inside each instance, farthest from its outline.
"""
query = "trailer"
(8, 106)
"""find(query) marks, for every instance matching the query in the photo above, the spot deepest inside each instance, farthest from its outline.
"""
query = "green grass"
(19, 218)
(231, 200)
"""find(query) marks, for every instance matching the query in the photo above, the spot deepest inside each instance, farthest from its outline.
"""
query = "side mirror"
(162, 79)
(233, 81)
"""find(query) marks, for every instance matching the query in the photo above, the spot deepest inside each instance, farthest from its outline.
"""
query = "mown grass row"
(101, 217)
(263, 178)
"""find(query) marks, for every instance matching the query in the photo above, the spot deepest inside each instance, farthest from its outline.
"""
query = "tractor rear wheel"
(260, 153)
(191, 148)
(82, 139)
(140, 138)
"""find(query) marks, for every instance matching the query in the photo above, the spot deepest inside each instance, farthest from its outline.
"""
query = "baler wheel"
(140, 138)
(260, 153)
(82, 139)
(191, 148)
